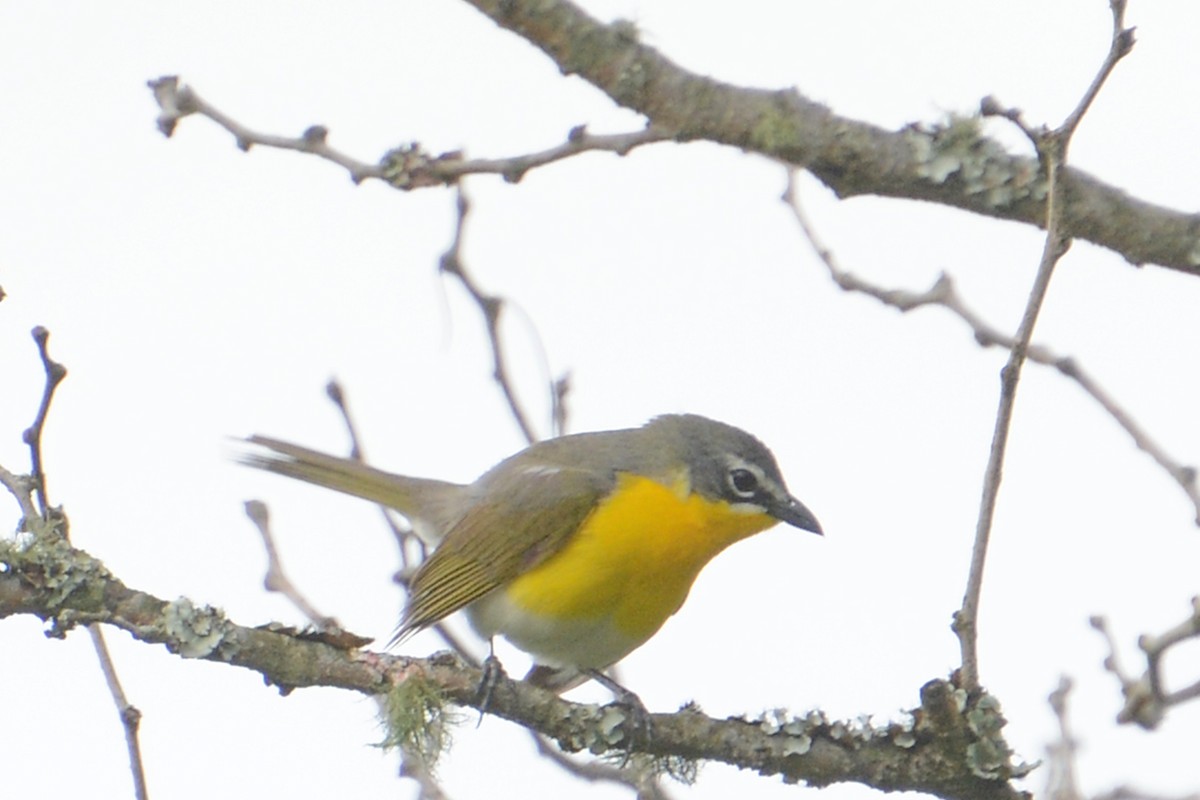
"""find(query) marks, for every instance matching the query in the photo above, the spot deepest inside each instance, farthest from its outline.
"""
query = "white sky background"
(197, 292)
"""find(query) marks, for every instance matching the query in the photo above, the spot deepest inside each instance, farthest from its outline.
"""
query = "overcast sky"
(196, 292)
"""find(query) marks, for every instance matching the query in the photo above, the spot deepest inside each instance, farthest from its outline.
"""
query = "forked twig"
(1052, 147)
(451, 263)
(24, 488)
(1147, 696)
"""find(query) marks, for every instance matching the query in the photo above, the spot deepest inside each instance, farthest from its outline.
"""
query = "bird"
(579, 548)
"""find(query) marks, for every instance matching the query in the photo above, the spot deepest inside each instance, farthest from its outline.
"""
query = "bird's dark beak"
(793, 512)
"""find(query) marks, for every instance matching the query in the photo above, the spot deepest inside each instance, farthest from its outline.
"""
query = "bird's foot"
(640, 726)
(493, 672)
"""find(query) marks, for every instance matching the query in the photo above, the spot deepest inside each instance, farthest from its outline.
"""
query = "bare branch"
(276, 579)
(1183, 474)
(1061, 783)
(337, 395)
(1052, 153)
(558, 405)
(1120, 46)
(412, 766)
(1052, 147)
(415, 769)
(642, 780)
(405, 167)
(21, 487)
(490, 306)
(131, 717)
(966, 620)
(950, 746)
(404, 536)
(32, 436)
(944, 294)
(933, 163)
(1147, 697)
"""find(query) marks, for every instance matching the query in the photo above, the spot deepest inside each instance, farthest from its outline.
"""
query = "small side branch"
(1147, 696)
(451, 263)
(944, 294)
(1061, 783)
(406, 540)
(276, 579)
(1052, 147)
(32, 436)
(406, 167)
(131, 717)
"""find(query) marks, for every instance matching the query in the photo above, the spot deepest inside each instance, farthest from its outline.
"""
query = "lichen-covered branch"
(949, 746)
(951, 164)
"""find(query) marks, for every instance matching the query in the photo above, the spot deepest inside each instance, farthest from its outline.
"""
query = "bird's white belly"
(588, 643)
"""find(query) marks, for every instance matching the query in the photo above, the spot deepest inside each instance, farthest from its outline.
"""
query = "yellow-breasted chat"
(576, 549)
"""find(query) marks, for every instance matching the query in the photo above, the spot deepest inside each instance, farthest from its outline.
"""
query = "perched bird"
(576, 549)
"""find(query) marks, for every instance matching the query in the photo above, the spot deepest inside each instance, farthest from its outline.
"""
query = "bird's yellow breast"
(630, 565)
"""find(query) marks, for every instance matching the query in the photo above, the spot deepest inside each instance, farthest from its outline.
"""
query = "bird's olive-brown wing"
(522, 518)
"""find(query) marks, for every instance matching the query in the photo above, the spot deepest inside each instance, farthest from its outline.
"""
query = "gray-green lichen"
(49, 563)
(611, 726)
(1193, 255)
(958, 149)
(417, 720)
(990, 756)
(195, 632)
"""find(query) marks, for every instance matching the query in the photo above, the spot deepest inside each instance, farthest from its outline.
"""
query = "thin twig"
(32, 436)
(1147, 696)
(1061, 783)
(644, 782)
(21, 487)
(559, 414)
(417, 770)
(412, 766)
(276, 579)
(403, 534)
(337, 395)
(131, 717)
(405, 167)
(1127, 793)
(490, 306)
(1052, 149)
(1141, 705)
(944, 294)
(1155, 647)
(1056, 245)
(1120, 46)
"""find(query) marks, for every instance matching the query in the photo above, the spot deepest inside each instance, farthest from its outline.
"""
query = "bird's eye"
(743, 482)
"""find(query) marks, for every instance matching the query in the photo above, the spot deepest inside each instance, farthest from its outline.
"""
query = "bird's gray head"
(729, 464)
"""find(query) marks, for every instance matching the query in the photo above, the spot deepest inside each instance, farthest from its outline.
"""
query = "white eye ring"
(743, 482)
